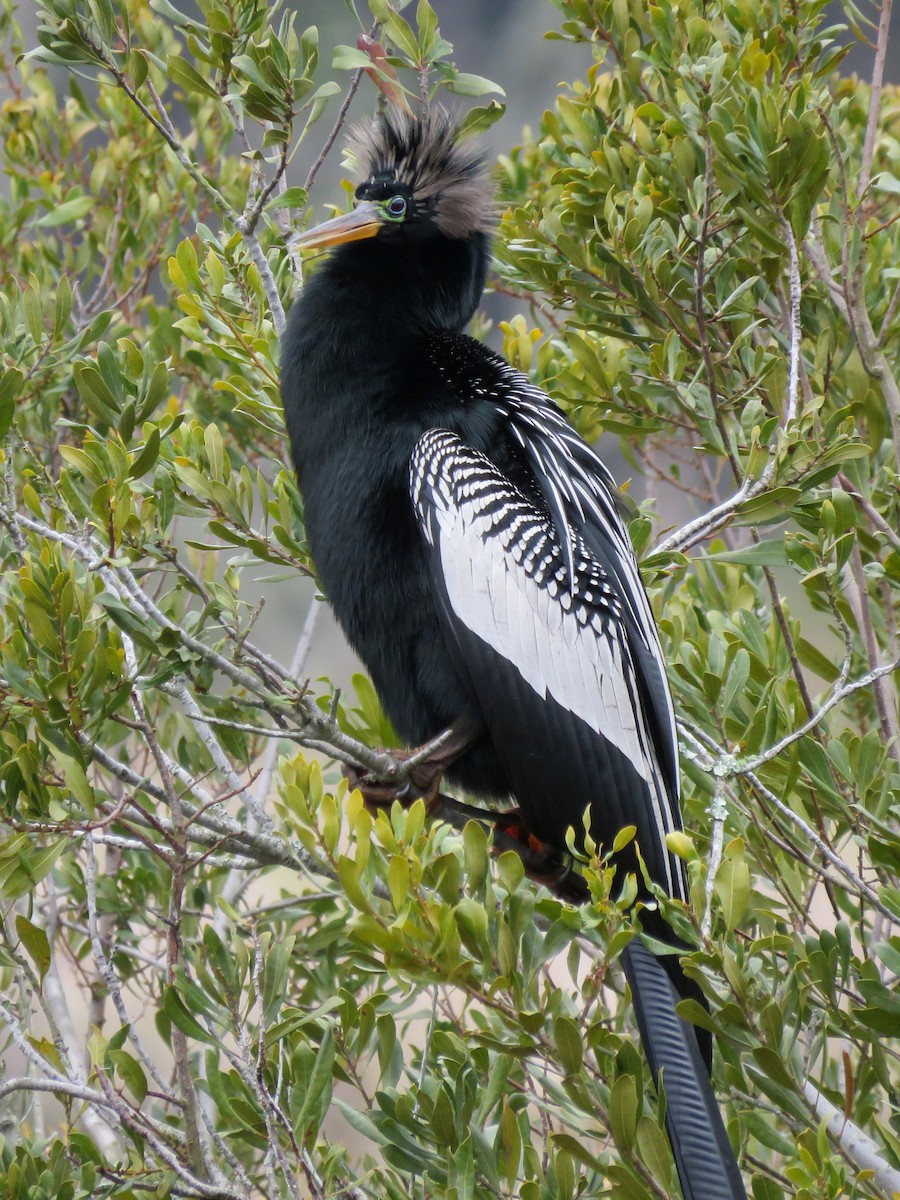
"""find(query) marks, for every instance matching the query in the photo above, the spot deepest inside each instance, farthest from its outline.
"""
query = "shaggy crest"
(422, 153)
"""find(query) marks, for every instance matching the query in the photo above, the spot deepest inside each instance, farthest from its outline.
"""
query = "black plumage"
(471, 547)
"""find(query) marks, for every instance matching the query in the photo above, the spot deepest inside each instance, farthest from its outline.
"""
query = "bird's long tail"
(706, 1165)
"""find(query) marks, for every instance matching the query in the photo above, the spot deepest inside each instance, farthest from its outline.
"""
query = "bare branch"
(862, 1150)
(795, 332)
(889, 313)
(859, 885)
(719, 811)
(730, 766)
(178, 687)
(209, 828)
(877, 520)
(706, 525)
(105, 968)
(59, 1087)
(885, 696)
(849, 300)
(881, 45)
(339, 123)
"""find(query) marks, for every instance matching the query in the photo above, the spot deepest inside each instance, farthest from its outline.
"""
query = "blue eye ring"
(395, 208)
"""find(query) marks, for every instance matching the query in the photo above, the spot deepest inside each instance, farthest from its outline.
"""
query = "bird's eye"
(396, 207)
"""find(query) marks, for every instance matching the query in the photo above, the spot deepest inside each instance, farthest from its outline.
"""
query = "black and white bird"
(471, 546)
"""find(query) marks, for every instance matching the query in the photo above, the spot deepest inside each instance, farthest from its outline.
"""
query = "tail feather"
(706, 1165)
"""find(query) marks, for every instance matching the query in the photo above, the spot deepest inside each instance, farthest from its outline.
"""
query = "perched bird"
(471, 547)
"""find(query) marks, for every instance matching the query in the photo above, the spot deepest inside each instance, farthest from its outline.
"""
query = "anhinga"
(471, 547)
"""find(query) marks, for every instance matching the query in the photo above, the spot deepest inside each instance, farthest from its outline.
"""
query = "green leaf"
(69, 210)
(426, 20)
(654, 1152)
(733, 883)
(812, 657)
(361, 1123)
(34, 939)
(292, 197)
(884, 181)
(33, 310)
(650, 112)
(185, 76)
(398, 880)
(481, 118)
(275, 978)
(401, 35)
(146, 458)
(623, 838)
(578, 1150)
(11, 381)
(215, 451)
(180, 1016)
(472, 85)
(64, 300)
(129, 622)
(770, 506)
(889, 953)
(475, 844)
(472, 922)
(318, 1089)
(348, 58)
(567, 1037)
(510, 1144)
(623, 1110)
(23, 871)
(510, 870)
(462, 1170)
(768, 553)
(139, 67)
(131, 1073)
(76, 780)
(681, 846)
(735, 295)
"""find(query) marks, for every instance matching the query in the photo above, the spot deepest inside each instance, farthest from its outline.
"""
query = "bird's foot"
(423, 781)
(375, 792)
(425, 772)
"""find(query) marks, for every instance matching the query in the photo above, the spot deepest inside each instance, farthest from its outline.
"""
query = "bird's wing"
(550, 661)
(580, 495)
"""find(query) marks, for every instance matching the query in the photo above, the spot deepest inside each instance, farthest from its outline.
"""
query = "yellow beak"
(363, 222)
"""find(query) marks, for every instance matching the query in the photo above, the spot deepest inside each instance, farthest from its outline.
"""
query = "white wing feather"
(535, 627)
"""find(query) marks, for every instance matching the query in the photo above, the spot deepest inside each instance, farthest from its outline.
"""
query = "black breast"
(364, 537)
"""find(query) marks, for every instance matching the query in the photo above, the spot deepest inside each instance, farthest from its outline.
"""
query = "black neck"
(371, 297)
(356, 323)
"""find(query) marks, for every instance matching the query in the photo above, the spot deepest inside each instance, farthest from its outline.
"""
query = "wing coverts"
(551, 612)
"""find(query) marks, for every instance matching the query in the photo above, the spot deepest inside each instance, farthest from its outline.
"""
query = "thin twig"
(881, 45)
(849, 299)
(878, 521)
(59, 1087)
(795, 331)
(885, 704)
(707, 524)
(862, 1151)
(731, 766)
(718, 811)
(889, 313)
(859, 884)
(236, 882)
(339, 122)
(105, 968)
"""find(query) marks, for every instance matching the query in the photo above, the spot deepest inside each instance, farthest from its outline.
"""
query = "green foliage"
(284, 992)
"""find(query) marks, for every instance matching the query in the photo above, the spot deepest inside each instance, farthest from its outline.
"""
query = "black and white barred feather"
(548, 608)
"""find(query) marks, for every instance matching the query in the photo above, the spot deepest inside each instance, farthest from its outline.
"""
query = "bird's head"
(418, 181)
